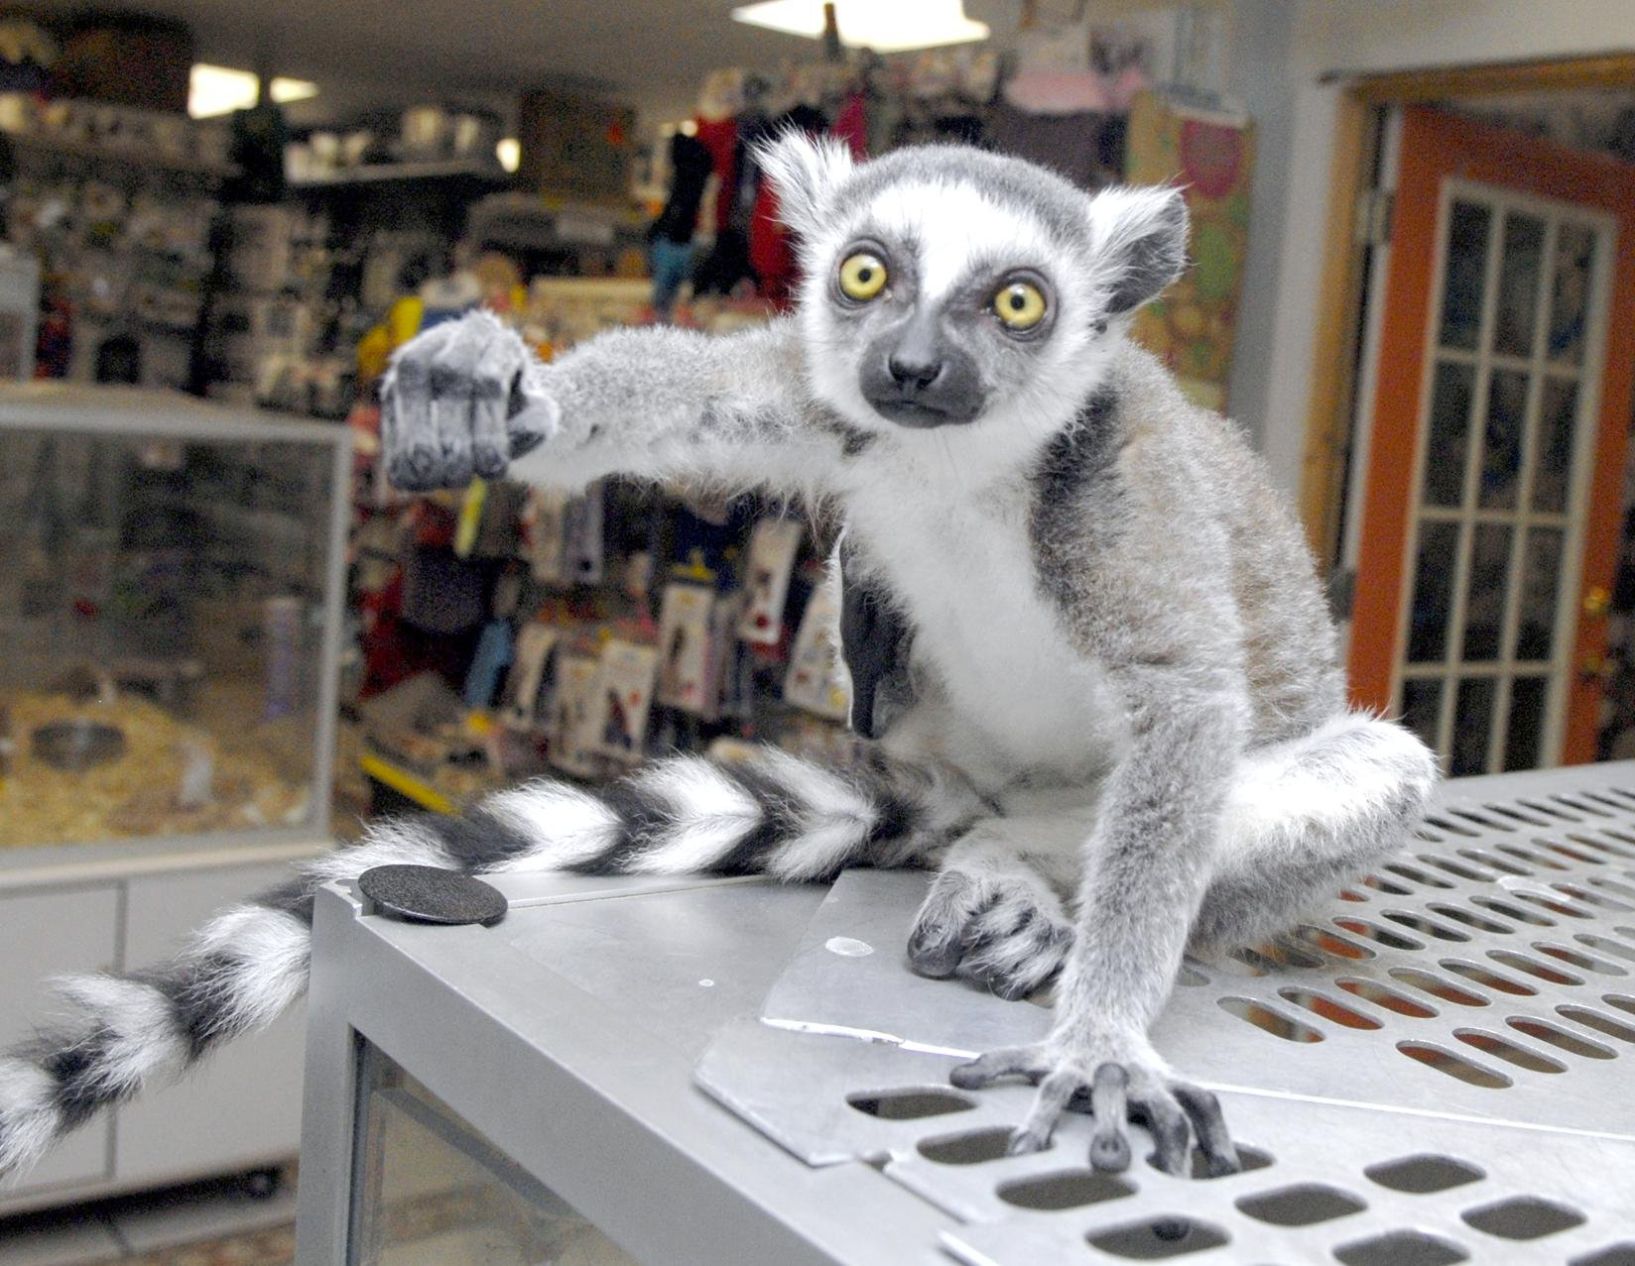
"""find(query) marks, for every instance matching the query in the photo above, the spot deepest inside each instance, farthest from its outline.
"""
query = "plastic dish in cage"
(78, 744)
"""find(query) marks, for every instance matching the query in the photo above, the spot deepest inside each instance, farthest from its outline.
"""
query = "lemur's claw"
(1006, 932)
(1116, 1092)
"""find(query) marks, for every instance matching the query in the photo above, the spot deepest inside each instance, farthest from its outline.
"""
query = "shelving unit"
(146, 158)
(383, 173)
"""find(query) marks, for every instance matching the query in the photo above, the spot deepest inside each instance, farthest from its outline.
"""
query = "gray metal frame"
(574, 1087)
(566, 1036)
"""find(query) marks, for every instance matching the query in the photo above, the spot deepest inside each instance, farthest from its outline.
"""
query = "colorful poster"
(1192, 325)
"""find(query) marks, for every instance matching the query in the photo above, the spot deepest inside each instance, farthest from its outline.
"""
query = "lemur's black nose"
(914, 372)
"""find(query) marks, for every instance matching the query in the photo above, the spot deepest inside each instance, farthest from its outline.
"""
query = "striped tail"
(776, 815)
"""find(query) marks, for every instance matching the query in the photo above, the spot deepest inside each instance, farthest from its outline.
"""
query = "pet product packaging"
(624, 698)
(578, 683)
(817, 680)
(772, 551)
(685, 657)
(528, 688)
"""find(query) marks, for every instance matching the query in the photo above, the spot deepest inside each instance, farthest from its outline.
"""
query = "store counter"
(694, 1071)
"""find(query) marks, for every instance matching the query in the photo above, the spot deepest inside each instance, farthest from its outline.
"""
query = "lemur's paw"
(1115, 1092)
(1006, 930)
(453, 405)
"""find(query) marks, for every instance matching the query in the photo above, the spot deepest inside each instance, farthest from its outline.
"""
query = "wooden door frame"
(1438, 147)
(1330, 413)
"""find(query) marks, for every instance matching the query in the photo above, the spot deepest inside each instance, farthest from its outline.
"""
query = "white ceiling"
(653, 53)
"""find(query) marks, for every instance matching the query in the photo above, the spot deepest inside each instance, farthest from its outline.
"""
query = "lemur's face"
(943, 313)
(951, 288)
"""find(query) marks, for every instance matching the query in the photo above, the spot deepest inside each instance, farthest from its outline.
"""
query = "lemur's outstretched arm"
(469, 397)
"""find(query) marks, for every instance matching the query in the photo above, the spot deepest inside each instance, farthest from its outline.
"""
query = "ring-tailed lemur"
(1085, 630)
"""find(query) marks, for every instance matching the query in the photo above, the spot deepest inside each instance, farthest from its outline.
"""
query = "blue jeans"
(671, 263)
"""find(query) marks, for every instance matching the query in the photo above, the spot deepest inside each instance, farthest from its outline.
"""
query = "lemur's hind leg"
(1305, 815)
(995, 911)
(1300, 817)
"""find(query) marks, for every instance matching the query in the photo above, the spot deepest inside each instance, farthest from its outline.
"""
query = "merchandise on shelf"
(116, 205)
(19, 312)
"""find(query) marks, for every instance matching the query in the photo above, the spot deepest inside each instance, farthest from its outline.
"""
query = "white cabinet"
(242, 1106)
(240, 1110)
(44, 934)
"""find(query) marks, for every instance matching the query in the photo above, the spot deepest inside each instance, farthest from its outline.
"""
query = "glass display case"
(431, 1188)
(171, 587)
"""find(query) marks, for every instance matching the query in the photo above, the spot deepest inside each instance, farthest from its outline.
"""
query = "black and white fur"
(1104, 683)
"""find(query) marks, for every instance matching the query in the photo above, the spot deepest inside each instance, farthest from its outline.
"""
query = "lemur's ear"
(1141, 243)
(805, 171)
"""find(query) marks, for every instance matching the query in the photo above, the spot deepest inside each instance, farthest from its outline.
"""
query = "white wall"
(1379, 35)
(1262, 42)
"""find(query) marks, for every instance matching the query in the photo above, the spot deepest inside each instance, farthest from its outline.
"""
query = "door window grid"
(1429, 691)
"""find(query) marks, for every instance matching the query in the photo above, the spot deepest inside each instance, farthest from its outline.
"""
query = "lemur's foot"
(1006, 929)
(1115, 1091)
(454, 405)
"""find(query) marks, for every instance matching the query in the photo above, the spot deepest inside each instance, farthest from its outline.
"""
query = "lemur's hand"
(1115, 1080)
(459, 401)
(992, 920)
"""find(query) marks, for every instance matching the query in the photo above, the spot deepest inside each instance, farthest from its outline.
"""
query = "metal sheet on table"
(1474, 999)
(682, 959)
(849, 977)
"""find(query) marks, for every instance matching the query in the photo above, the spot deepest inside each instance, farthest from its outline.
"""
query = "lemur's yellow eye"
(862, 276)
(1020, 305)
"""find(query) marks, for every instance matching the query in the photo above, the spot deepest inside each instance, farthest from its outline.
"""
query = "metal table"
(1434, 1069)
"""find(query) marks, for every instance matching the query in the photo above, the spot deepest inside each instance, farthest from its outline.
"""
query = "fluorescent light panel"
(214, 90)
(887, 27)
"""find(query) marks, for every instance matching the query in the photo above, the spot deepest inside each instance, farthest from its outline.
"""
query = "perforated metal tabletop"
(1436, 1068)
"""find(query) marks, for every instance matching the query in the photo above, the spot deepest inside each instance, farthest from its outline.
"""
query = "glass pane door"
(1498, 511)
(432, 1192)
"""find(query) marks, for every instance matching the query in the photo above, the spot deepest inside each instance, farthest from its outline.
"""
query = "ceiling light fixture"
(509, 152)
(214, 90)
(283, 91)
(887, 27)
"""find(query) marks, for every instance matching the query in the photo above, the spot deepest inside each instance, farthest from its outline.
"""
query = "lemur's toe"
(1010, 1061)
(938, 940)
(1021, 961)
(1170, 1130)
(1110, 1142)
(1115, 1093)
(1203, 1109)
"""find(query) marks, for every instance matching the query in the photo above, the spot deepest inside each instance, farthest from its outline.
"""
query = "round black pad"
(427, 894)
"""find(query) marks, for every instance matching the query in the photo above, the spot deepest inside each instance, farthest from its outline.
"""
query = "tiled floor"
(206, 1224)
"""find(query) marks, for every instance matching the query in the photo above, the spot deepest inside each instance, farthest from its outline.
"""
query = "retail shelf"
(380, 173)
(131, 156)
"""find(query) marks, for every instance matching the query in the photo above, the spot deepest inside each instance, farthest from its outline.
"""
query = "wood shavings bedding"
(135, 795)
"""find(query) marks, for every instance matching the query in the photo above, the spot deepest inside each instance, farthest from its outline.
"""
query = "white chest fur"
(961, 564)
